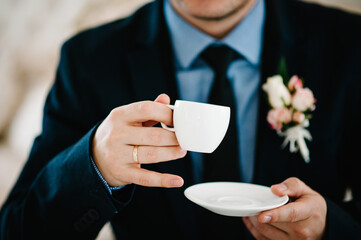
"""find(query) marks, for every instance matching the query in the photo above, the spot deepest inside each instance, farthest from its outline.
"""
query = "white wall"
(347, 5)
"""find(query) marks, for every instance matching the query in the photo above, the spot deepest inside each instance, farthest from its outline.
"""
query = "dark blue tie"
(223, 163)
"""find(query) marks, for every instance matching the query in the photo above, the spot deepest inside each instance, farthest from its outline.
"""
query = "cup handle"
(165, 126)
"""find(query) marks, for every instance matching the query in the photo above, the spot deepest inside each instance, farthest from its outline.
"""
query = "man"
(84, 168)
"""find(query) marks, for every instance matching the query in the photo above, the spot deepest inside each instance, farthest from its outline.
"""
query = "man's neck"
(217, 27)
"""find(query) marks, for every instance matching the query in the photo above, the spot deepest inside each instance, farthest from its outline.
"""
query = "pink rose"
(303, 99)
(295, 83)
(298, 117)
(276, 117)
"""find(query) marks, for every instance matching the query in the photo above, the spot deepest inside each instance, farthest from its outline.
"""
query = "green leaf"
(282, 69)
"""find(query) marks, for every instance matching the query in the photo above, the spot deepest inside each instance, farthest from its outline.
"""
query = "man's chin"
(211, 10)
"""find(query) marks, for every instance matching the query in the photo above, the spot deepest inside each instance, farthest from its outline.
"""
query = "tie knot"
(218, 57)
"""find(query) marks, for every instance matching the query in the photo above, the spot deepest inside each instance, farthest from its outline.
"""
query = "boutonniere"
(291, 107)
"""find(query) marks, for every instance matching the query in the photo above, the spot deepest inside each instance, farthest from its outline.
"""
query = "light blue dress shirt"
(195, 78)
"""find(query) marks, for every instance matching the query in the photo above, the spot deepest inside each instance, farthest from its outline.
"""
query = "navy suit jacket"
(58, 194)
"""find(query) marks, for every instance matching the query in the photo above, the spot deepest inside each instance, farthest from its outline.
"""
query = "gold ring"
(135, 154)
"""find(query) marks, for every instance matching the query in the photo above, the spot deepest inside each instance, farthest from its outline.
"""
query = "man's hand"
(131, 125)
(303, 218)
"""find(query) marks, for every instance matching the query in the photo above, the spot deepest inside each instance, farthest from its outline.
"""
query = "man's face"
(210, 9)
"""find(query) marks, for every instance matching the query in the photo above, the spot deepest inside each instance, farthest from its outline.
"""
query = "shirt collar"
(246, 38)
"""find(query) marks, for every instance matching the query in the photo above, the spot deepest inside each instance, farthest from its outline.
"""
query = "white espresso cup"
(199, 127)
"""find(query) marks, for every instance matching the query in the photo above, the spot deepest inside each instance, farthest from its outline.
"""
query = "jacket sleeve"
(58, 193)
(340, 224)
(344, 217)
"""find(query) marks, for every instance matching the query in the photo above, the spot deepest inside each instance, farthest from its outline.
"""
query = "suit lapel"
(152, 72)
(148, 78)
(274, 164)
(267, 142)
(151, 61)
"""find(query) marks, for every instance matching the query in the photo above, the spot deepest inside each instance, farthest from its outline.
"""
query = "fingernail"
(266, 219)
(282, 187)
(176, 182)
(183, 152)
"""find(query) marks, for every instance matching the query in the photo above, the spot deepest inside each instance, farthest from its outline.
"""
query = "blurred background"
(31, 34)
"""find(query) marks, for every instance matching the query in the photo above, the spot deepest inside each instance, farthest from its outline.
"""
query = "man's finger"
(148, 178)
(150, 136)
(268, 230)
(143, 112)
(148, 154)
(291, 212)
(251, 228)
(292, 187)
(162, 98)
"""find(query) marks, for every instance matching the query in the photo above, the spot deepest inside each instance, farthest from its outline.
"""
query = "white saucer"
(233, 198)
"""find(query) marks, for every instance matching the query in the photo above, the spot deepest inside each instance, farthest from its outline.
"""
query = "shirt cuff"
(107, 186)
